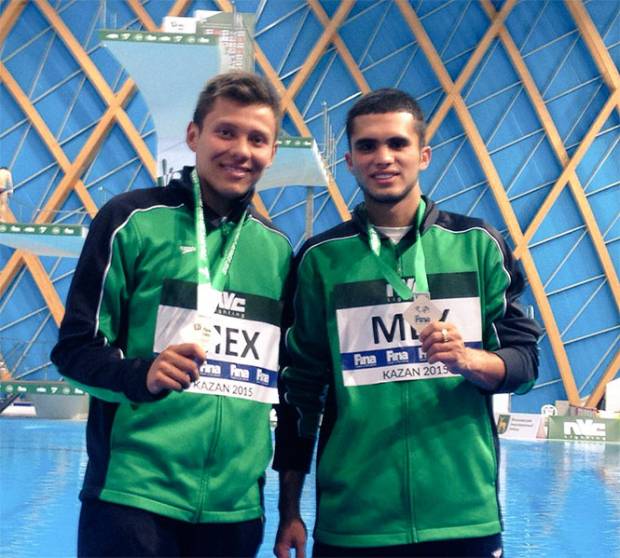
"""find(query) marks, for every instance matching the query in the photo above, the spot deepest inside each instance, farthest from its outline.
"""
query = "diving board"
(47, 239)
(170, 70)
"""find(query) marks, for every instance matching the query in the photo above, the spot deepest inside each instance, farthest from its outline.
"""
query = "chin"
(234, 191)
(386, 197)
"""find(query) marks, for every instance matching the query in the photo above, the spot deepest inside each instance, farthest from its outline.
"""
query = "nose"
(384, 155)
(241, 148)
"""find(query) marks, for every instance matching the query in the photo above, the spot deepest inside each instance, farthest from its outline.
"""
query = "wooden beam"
(135, 139)
(468, 123)
(595, 45)
(10, 270)
(529, 265)
(295, 115)
(569, 169)
(530, 86)
(608, 376)
(259, 205)
(9, 16)
(46, 135)
(313, 57)
(94, 76)
(341, 48)
(426, 44)
(145, 19)
(497, 22)
(75, 170)
(556, 143)
(75, 48)
(179, 8)
(50, 295)
(500, 196)
(85, 156)
(41, 279)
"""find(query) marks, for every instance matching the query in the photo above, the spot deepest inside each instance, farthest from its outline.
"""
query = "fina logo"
(585, 427)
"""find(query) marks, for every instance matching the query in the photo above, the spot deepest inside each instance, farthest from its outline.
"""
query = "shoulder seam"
(503, 259)
(110, 251)
(271, 228)
(320, 243)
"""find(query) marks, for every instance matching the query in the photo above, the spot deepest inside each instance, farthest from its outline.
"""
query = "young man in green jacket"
(405, 324)
(172, 325)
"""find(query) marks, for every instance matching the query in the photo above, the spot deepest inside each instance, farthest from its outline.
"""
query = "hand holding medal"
(175, 368)
(442, 342)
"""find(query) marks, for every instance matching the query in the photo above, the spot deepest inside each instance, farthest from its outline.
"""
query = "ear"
(425, 157)
(349, 160)
(191, 136)
(273, 154)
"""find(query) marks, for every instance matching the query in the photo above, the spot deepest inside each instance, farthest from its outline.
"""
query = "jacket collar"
(360, 218)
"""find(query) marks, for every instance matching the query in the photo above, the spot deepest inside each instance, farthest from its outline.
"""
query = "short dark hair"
(387, 100)
(245, 88)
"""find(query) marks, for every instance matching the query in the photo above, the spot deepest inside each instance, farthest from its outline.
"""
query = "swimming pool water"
(559, 499)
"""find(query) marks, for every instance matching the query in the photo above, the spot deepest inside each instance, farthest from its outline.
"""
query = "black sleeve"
(515, 333)
(89, 352)
(304, 370)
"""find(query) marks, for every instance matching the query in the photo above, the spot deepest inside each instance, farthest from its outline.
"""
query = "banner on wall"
(521, 426)
(590, 429)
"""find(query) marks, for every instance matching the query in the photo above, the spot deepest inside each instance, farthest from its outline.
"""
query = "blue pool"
(559, 499)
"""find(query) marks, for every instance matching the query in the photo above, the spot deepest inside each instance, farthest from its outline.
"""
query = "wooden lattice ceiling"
(325, 31)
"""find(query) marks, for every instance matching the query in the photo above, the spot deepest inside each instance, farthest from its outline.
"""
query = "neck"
(399, 214)
(214, 201)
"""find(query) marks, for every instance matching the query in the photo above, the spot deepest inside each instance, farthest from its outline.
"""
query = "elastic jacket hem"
(180, 514)
(408, 537)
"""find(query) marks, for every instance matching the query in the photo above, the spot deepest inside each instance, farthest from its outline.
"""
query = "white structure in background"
(6, 190)
(612, 396)
(170, 69)
(501, 403)
(48, 239)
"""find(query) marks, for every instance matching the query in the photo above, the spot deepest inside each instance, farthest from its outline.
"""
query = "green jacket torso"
(406, 451)
(190, 456)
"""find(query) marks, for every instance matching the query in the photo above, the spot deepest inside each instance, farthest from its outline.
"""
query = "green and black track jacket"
(189, 456)
(407, 452)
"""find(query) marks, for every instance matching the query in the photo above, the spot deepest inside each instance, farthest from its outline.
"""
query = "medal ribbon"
(219, 275)
(393, 278)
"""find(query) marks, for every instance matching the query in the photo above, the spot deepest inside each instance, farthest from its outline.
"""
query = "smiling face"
(234, 145)
(386, 159)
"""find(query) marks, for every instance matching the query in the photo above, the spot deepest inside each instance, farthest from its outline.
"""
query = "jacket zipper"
(204, 483)
(408, 430)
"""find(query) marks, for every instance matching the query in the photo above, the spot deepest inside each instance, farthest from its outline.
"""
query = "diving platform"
(298, 162)
(44, 239)
(51, 399)
(197, 51)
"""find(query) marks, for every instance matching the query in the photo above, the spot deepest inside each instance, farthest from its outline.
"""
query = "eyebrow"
(242, 126)
(363, 140)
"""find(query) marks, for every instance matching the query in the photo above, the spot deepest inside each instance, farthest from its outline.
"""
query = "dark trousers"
(112, 530)
(479, 547)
